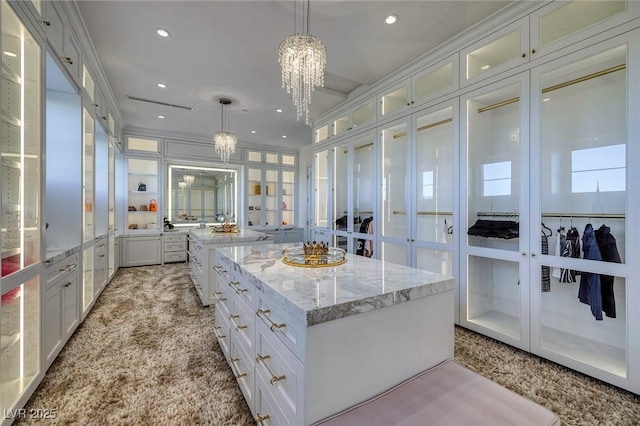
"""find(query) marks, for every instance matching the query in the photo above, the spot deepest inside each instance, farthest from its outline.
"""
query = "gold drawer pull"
(217, 294)
(233, 320)
(234, 283)
(237, 375)
(274, 379)
(263, 313)
(241, 290)
(218, 336)
(260, 419)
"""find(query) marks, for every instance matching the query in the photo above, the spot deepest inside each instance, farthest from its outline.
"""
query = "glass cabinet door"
(394, 100)
(436, 80)
(143, 201)
(20, 151)
(321, 202)
(88, 149)
(288, 197)
(112, 187)
(272, 205)
(502, 50)
(494, 267)
(433, 189)
(341, 219)
(363, 195)
(394, 220)
(580, 108)
(254, 198)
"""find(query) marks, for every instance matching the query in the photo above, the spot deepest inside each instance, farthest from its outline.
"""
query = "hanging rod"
(367, 145)
(361, 212)
(587, 215)
(498, 214)
(424, 213)
(558, 86)
(425, 127)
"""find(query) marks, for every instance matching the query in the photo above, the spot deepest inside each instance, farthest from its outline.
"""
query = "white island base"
(307, 343)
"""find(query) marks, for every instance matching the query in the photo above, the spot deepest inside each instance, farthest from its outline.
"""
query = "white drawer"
(174, 238)
(62, 267)
(289, 333)
(243, 371)
(175, 257)
(245, 292)
(243, 326)
(175, 246)
(222, 330)
(282, 372)
(268, 413)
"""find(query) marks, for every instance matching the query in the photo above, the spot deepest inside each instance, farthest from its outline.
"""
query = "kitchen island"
(202, 253)
(305, 343)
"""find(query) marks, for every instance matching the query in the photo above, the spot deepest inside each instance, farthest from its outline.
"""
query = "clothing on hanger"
(505, 229)
(590, 291)
(545, 274)
(571, 249)
(609, 252)
(560, 242)
(365, 246)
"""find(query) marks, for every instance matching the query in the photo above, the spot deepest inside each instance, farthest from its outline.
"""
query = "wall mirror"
(199, 195)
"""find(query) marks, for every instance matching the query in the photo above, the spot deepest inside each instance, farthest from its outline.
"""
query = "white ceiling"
(230, 49)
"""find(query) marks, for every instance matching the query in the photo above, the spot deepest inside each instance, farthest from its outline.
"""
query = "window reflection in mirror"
(199, 195)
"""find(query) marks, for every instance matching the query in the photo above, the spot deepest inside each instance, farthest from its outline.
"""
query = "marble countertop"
(317, 295)
(205, 236)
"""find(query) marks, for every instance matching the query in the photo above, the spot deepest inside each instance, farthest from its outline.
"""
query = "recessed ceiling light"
(278, 110)
(10, 54)
(162, 85)
(162, 32)
(485, 67)
(390, 19)
(546, 99)
(254, 132)
(161, 116)
(284, 136)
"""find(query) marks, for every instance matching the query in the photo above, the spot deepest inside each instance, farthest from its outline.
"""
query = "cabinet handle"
(218, 336)
(232, 318)
(47, 23)
(62, 269)
(66, 285)
(260, 419)
(231, 362)
(274, 379)
(263, 313)
(72, 266)
(533, 50)
(533, 255)
(217, 294)
(524, 55)
(102, 255)
(241, 290)
(68, 60)
(524, 253)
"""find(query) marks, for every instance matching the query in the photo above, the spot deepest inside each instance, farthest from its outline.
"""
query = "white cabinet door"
(70, 305)
(52, 333)
(142, 250)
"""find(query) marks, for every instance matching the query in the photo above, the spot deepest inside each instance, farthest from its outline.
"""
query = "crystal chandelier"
(188, 180)
(303, 58)
(182, 185)
(224, 142)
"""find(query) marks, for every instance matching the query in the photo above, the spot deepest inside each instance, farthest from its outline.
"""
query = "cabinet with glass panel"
(557, 25)
(271, 189)
(21, 173)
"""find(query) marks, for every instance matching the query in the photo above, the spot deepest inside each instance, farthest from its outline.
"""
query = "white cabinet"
(354, 118)
(62, 40)
(61, 306)
(174, 247)
(271, 196)
(143, 196)
(100, 265)
(141, 250)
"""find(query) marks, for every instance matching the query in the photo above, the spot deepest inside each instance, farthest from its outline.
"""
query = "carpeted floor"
(146, 355)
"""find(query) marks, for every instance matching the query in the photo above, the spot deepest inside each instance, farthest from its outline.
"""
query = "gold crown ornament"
(315, 249)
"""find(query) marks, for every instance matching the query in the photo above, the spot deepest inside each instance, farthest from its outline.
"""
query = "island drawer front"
(243, 371)
(175, 257)
(267, 411)
(62, 267)
(282, 372)
(282, 327)
(244, 291)
(243, 325)
(176, 246)
(222, 330)
(174, 238)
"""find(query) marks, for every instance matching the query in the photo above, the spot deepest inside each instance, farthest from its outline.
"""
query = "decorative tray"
(313, 255)
(224, 230)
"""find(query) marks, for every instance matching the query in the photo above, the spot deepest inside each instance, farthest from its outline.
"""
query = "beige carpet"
(146, 355)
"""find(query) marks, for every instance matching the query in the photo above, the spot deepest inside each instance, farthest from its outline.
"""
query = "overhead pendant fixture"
(224, 142)
(182, 185)
(188, 180)
(303, 58)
